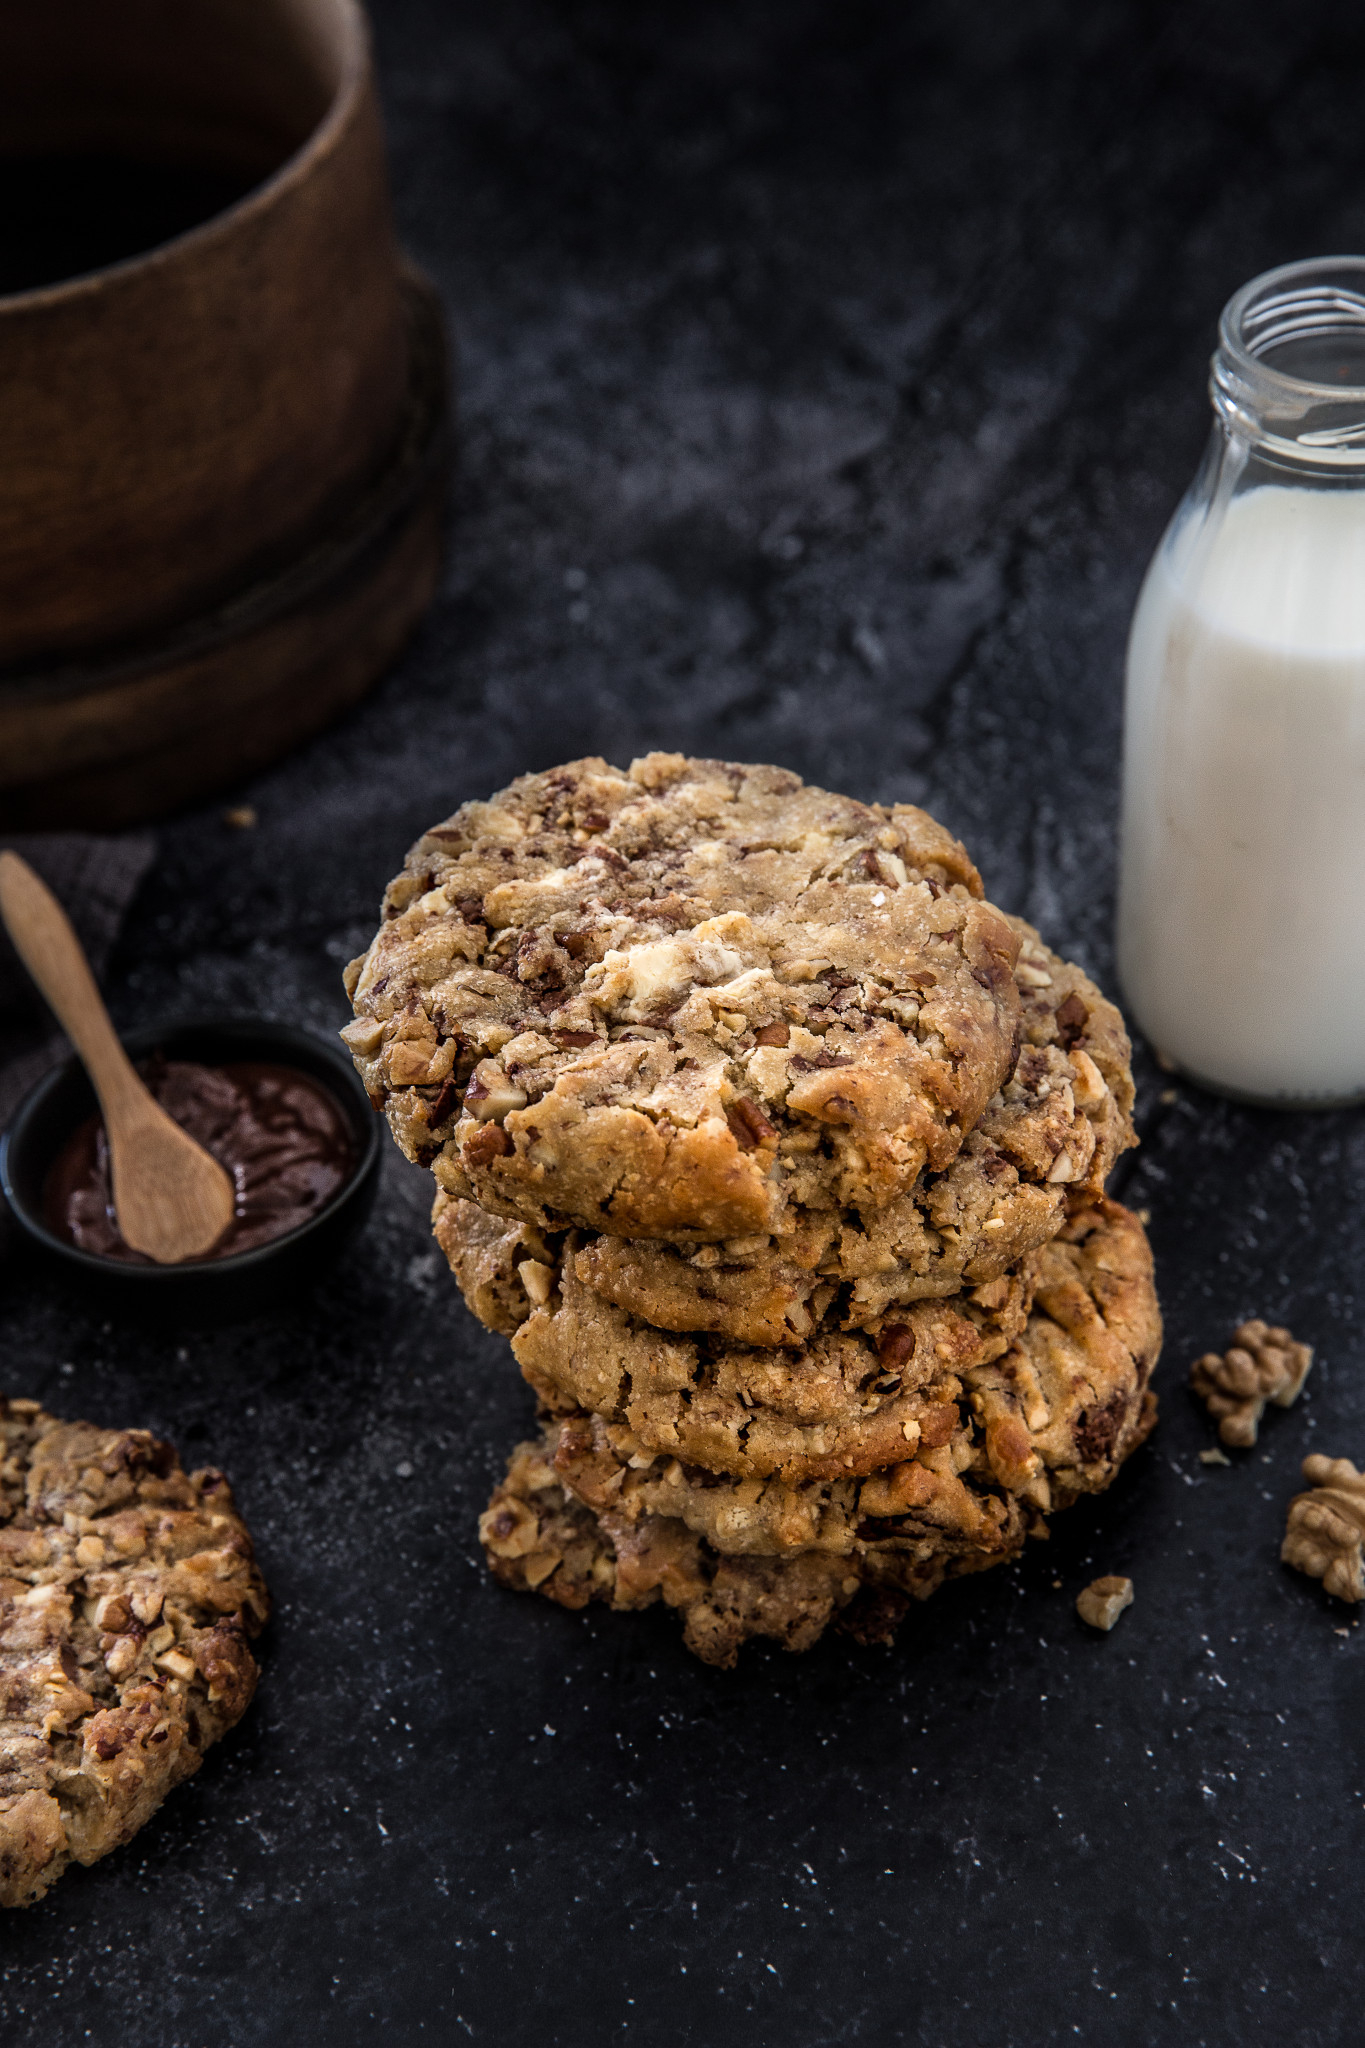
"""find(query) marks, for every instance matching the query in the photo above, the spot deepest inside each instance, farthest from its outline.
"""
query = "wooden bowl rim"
(355, 76)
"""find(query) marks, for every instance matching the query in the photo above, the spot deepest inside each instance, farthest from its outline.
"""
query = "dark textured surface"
(827, 376)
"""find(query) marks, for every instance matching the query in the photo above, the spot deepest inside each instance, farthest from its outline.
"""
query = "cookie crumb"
(1056, 1585)
(1144, 1217)
(1326, 1527)
(1214, 1457)
(241, 817)
(1104, 1600)
(1261, 1364)
(1168, 1096)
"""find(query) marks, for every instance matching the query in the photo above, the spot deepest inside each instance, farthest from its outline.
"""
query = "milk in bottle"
(1242, 892)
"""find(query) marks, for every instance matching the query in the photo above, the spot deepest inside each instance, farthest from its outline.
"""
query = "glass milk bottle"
(1242, 882)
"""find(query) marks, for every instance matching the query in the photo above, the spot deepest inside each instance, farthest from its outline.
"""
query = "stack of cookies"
(779, 1154)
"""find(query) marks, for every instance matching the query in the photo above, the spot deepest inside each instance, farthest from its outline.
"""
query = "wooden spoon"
(173, 1201)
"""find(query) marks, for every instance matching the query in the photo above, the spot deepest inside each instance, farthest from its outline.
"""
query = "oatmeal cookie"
(844, 1402)
(127, 1593)
(588, 1513)
(539, 1535)
(1067, 1405)
(1051, 1135)
(508, 1270)
(605, 1468)
(1076, 1382)
(653, 1003)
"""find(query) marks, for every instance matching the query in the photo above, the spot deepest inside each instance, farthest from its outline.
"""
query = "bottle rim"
(1314, 299)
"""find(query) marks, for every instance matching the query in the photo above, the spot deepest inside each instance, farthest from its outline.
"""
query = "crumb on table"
(1103, 1601)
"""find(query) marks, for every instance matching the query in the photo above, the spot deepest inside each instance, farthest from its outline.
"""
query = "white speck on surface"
(868, 643)
(403, 1469)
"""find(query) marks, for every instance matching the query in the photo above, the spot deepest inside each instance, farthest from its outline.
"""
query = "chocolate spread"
(281, 1136)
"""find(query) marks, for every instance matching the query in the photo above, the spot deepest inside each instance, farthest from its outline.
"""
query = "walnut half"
(1261, 1364)
(1326, 1527)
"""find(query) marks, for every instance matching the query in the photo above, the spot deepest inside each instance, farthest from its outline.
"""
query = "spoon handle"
(52, 953)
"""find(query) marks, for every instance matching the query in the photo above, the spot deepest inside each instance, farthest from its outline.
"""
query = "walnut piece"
(1261, 1364)
(1326, 1527)
(1103, 1601)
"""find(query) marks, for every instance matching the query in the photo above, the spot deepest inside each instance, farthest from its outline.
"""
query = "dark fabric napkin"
(95, 880)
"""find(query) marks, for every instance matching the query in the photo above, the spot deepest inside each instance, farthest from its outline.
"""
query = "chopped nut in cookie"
(1327, 1526)
(1104, 1600)
(1261, 1364)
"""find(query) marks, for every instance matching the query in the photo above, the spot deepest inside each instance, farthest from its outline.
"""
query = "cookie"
(1053, 1133)
(1057, 1417)
(583, 1516)
(537, 1537)
(656, 1003)
(127, 1594)
(1075, 1383)
(844, 1402)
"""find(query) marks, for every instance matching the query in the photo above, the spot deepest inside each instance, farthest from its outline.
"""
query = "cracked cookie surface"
(1050, 1135)
(654, 1003)
(127, 1593)
(583, 1514)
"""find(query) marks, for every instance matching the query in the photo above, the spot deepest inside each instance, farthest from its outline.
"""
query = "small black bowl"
(200, 1289)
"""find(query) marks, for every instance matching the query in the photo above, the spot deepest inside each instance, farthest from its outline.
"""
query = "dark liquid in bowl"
(63, 216)
(283, 1138)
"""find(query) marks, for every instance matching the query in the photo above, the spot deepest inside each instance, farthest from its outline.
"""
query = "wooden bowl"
(223, 459)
